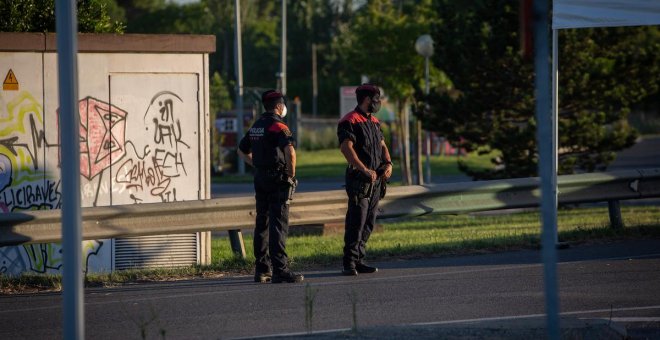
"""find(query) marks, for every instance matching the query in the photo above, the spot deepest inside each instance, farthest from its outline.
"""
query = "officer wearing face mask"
(269, 147)
(369, 166)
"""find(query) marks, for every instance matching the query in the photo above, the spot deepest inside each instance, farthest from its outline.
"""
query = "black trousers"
(360, 221)
(272, 222)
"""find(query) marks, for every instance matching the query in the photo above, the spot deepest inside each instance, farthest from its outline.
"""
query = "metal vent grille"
(156, 251)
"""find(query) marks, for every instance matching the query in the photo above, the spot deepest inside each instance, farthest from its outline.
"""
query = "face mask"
(284, 111)
(374, 106)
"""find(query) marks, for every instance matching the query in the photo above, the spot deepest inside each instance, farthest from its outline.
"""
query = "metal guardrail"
(327, 206)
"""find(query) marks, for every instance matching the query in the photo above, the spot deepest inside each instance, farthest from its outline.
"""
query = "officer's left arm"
(246, 157)
(287, 143)
(244, 149)
(290, 155)
(387, 158)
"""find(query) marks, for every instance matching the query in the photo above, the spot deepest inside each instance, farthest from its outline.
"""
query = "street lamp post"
(424, 46)
(282, 74)
(238, 63)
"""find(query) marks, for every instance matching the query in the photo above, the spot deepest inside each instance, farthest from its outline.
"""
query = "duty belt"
(271, 171)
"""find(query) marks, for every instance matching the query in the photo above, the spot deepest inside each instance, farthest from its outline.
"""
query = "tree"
(491, 104)
(194, 18)
(317, 22)
(309, 21)
(94, 16)
(380, 44)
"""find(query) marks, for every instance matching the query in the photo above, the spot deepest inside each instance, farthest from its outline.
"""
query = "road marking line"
(528, 316)
(502, 318)
(636, 319)
(478, 270)
(253, 287)
(295, 334)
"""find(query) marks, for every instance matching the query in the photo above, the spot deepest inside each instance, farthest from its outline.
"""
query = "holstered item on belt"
(383, 182)
(274, 173)
(383, 187)
(292, 184)
(359, 186)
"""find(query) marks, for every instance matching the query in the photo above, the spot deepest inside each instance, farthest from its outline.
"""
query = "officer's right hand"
(371, 174)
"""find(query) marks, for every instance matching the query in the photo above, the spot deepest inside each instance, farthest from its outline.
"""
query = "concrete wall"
(143, 128)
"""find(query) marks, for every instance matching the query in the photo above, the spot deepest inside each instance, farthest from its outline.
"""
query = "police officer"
(269, 147)
(369, 166)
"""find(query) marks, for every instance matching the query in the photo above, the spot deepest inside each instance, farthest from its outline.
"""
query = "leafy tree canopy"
(380, 43)
(491, 104)
(94, 16)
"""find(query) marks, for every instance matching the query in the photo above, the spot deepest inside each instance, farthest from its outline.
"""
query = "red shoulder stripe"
(278, 127)
(353, 117)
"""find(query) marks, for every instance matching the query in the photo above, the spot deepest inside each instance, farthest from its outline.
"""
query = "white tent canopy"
(604, 13)
(567, 14)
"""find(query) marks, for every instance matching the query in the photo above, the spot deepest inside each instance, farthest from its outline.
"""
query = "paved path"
(644, 154)
(619, 281)
(306, 185)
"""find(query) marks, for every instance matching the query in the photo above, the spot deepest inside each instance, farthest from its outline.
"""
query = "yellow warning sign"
(10, 83)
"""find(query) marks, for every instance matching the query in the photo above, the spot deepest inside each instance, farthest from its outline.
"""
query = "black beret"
(368, 89)
(270, 95)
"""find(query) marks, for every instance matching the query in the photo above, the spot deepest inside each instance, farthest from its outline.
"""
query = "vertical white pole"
(238, 64)
(315, 86)
(555, 121)
(427, 133)
(283, 61)
(547, 166)
(67, 62)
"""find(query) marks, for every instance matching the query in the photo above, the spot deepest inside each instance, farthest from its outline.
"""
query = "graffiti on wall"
(24, 181)
(102, 133)
(142, 167)
(42, 258)
(151, 171)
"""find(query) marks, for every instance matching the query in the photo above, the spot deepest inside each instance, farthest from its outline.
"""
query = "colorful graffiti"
(24, 182)
(43, 258)
(5, 179)
(142, 167)
(152, 171)
(102, 135)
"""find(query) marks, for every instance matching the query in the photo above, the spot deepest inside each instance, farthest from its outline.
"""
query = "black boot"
(349, 271)
(362, 268)
(263, 277)
(287, 276)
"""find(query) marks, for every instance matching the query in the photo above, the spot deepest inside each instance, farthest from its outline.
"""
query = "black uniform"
(363, 129)
(266, 140)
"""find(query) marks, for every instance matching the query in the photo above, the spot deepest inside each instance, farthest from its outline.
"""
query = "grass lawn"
(330, 163)
(424, 236)
(437, 235)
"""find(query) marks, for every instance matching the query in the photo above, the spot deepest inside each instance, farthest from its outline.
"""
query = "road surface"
(619, 281)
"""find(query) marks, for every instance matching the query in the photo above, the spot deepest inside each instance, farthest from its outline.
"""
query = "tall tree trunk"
(404, 141)
(418, 152)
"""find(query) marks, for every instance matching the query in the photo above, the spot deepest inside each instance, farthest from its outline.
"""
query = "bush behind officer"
(369, 167)
(269, 147)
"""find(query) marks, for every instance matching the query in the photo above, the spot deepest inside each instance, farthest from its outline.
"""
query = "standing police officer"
(269, 147)
(369, 166)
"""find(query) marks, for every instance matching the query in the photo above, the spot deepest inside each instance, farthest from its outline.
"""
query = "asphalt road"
(644, 154)
(618, 280)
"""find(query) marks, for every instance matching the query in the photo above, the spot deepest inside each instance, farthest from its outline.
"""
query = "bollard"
(236, 241)
(614, 208)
